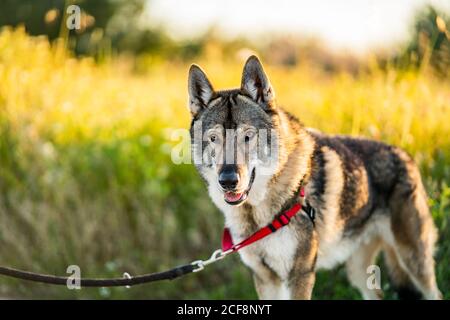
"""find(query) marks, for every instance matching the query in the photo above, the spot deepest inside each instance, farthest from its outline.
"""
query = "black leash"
(112, 282)
(126, 281)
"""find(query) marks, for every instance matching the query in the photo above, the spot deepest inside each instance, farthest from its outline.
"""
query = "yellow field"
(45, 90)
(85, 174)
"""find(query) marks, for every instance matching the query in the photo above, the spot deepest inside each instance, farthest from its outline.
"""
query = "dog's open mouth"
(235, 198)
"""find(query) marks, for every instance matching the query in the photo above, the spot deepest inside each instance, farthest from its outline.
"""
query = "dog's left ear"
(256, 83)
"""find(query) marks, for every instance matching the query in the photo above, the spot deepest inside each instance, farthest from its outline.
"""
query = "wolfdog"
(368, 196)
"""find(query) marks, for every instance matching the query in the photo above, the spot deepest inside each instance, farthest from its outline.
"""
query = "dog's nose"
(228, 178)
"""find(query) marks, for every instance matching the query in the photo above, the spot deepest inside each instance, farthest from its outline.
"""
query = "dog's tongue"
(232, 197)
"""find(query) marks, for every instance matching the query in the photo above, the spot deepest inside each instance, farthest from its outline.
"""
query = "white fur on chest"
(277, 251)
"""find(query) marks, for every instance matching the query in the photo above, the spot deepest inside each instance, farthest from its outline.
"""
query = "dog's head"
(233, 134)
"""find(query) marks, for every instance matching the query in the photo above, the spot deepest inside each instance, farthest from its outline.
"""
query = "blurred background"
(86, 116)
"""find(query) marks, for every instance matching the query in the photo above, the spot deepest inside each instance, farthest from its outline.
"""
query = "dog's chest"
(276, 252)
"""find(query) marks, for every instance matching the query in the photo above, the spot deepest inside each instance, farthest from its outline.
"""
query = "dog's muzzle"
(235, 198)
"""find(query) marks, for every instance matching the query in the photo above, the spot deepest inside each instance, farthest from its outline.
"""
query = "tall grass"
(86, 176)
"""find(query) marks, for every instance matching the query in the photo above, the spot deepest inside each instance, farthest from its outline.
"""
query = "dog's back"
(382, 206)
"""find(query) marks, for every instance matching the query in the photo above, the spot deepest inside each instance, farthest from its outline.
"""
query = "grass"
(86, 176)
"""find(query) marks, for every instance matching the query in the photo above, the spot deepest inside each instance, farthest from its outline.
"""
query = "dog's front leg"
(301, 285)
(268, 285)
(303, 275)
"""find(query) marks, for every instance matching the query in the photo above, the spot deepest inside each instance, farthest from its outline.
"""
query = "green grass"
(86, 176)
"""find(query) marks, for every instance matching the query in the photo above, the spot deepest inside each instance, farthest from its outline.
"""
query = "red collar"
(277, 223)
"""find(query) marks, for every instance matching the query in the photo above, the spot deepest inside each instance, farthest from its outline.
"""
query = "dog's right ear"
(200, 90)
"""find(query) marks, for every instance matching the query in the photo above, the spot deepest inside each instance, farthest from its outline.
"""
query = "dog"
(368, 196)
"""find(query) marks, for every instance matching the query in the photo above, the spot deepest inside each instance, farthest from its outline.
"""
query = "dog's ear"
(200, 89)
(256, 83)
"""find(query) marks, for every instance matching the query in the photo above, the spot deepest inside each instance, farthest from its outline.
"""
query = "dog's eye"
(213, 138)
(248, 136)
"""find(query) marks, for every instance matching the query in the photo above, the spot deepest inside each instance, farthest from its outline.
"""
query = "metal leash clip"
(216, 256)
(126, 275)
